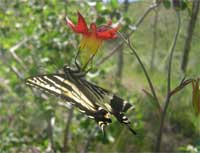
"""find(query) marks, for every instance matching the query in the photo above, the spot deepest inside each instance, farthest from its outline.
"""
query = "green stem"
(137, 24)
(159, 138)
(144, 70)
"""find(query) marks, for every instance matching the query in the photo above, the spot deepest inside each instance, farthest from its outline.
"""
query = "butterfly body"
(92, 100)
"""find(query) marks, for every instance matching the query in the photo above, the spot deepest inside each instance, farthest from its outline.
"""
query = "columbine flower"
(92, 37)
(196, 96)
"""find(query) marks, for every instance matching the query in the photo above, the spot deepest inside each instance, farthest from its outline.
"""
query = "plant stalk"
(159, 138)
(144, 70)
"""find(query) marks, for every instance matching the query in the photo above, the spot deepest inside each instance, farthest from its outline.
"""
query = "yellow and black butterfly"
(92, 100)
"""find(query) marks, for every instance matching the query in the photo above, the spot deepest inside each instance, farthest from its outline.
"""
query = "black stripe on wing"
(119, 107)
(57, 85)
(41, 82)
(99, 92)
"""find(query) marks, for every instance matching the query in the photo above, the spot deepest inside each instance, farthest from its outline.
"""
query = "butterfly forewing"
(59, 85)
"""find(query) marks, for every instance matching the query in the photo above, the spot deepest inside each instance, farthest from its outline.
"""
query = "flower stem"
(144, 70)
(136, 25)
(159, 138)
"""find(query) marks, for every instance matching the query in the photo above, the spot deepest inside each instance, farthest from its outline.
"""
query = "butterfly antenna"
(129, 127)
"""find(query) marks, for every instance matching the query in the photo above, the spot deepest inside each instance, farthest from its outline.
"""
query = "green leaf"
(183, 5)
(180, 4)
(167, 4)
(99, 6)
(114, 3)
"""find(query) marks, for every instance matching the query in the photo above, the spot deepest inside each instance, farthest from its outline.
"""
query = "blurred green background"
(35, 40)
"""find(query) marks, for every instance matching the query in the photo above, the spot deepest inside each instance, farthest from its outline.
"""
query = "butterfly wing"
(91, 99)
(108, 101)
(59, 85)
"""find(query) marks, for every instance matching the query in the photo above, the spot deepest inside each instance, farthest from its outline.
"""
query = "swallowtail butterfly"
(92, 100)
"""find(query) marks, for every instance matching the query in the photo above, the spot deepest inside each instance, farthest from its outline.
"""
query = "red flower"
(93, 36)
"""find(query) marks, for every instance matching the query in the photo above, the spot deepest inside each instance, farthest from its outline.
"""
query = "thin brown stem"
(137, 24)
(109, 54)
(50, 133)
(181, 86)
(89, 139)
(19, 44)
(14, 69)
(141, 19)
(66, 133)
(144, 70)
(167, 100)
(152, 61)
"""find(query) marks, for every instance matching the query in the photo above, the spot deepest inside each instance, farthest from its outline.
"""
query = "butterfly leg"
(76, 63)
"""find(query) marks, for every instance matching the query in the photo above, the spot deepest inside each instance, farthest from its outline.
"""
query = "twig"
(66, 133)
(137, 24)
(89, 139)
(141, 19)
(17, 46)
(51, 122)
(16, 71)
(101, 61)
(13, 68)
(181, 86)
(159, 138)
(144, 70)
(14, 55)
(154, 46)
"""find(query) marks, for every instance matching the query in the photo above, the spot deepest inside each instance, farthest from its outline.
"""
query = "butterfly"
(94, 101)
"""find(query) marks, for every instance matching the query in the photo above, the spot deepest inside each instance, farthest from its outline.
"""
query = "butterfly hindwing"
(111, 103)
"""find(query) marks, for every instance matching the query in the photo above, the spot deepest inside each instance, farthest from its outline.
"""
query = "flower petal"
(70, 24)
(107, 34)
(81, 26)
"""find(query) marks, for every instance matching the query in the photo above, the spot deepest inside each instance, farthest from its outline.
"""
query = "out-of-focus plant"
(190, 149)
(196, 96)
(176, 4)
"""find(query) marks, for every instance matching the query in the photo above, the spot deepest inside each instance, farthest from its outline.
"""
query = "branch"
(5, 61)
(16, 71)
(17, 46)
(181, 86)
(14, 48)
(154, 45)
(159, 138)
(141, 19)
(66, 132)
(137, 24)
(51, 122)
(144, 70)
(89, 139)
(190, 31)
(101, 61)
